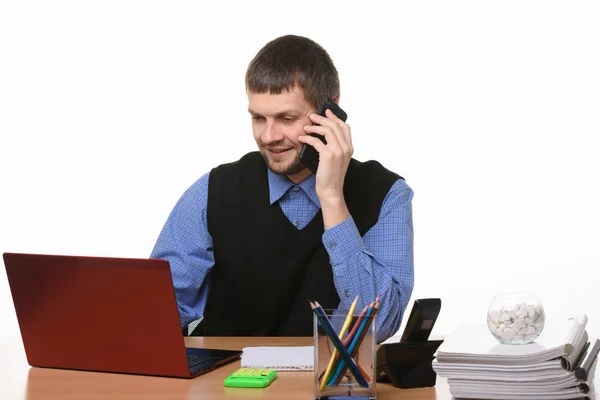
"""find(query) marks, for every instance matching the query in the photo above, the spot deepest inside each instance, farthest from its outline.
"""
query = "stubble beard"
(281, 169)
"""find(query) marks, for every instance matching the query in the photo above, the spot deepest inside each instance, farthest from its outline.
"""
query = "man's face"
(277, 121)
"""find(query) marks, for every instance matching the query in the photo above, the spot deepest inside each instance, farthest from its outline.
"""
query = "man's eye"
(257, 118)
(289, 119)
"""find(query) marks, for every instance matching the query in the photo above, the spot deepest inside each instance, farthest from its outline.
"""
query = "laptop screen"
(99, 314)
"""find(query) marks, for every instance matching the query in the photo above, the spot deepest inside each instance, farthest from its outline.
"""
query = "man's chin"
(281, 168)
(286, 170)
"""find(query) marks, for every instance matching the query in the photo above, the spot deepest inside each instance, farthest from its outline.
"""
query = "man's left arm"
(380, 263)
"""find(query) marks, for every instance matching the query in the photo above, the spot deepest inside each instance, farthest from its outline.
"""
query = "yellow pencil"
(345, 327)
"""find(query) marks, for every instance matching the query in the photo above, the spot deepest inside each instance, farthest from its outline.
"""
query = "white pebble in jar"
(516, 318)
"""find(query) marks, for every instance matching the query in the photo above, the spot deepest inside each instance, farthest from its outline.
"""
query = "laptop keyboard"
(200, 365)
(205, 360)
(193, 361)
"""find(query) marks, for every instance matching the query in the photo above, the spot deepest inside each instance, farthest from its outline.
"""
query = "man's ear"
(336, 100)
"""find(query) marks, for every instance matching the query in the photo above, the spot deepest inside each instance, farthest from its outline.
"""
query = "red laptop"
(103, 314)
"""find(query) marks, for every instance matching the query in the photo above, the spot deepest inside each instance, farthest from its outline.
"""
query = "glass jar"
(516, 318)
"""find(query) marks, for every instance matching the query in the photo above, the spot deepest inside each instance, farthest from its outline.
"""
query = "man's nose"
(271, 133)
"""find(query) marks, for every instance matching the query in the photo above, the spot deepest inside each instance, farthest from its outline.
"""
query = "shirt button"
(347, 293)
(296, 223)
(331, 246)
(295, 190)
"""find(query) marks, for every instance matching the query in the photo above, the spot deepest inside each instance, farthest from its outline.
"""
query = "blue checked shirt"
(381, 262)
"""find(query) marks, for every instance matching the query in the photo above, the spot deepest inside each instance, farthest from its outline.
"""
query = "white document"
(297, 358)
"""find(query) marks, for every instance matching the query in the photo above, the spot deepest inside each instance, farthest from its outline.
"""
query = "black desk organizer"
(407, 365)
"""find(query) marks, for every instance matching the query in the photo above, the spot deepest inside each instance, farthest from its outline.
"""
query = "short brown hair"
(294, 60)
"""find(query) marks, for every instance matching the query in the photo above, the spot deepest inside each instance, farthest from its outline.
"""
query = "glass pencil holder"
(334, 376)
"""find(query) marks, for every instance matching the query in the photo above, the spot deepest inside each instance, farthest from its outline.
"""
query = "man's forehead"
(269, 103)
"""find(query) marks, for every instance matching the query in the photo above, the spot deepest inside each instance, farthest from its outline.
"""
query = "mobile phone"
(309, 156)
(421, 320)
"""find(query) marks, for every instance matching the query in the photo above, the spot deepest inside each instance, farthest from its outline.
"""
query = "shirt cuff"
(343, 241)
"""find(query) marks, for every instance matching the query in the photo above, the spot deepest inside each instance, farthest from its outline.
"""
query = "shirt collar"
(280, 184)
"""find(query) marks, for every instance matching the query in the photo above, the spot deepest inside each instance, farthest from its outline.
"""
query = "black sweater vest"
(265, 268)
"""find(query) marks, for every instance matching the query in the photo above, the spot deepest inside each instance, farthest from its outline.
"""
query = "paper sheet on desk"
(297, 358)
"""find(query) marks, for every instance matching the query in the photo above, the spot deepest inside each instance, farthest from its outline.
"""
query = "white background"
(109, 110)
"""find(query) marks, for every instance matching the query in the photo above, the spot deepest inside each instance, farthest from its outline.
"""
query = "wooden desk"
(20, 381)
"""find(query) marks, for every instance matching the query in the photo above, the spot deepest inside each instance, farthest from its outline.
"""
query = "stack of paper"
(560, 364)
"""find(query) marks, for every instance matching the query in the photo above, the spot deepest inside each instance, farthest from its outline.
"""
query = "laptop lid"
(102, 314)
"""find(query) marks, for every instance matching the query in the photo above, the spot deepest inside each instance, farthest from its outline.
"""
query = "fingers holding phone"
(309, 154)
(327, 150)
(336, 131)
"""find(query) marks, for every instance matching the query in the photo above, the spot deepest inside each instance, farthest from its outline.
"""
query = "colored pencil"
(340, 364)
(330, 331)
(350, 336)
(345, 327)
(356, 342)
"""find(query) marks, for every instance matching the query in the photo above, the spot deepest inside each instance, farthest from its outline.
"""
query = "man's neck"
(300, 176)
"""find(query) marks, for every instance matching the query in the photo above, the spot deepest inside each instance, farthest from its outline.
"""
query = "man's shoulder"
(198, 188)
(252, 159)
(366, 187)
(371, 171)
(247, 173)
(201, 186)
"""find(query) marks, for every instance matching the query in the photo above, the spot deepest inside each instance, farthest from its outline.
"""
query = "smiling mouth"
(278, 151)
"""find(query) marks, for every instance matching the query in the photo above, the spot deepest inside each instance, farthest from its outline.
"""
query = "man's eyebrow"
(291, 113)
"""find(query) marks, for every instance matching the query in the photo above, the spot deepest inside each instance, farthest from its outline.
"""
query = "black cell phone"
(309, 157)
(421, 320)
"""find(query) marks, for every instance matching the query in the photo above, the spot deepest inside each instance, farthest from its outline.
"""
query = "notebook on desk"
(297, 358)
(103, 314)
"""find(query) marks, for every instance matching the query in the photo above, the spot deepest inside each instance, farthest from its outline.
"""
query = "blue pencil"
(338, 344)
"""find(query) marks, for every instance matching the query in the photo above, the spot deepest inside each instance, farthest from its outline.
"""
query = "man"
(250, 242)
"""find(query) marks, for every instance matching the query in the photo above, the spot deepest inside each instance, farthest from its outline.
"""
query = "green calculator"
(251, 378)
